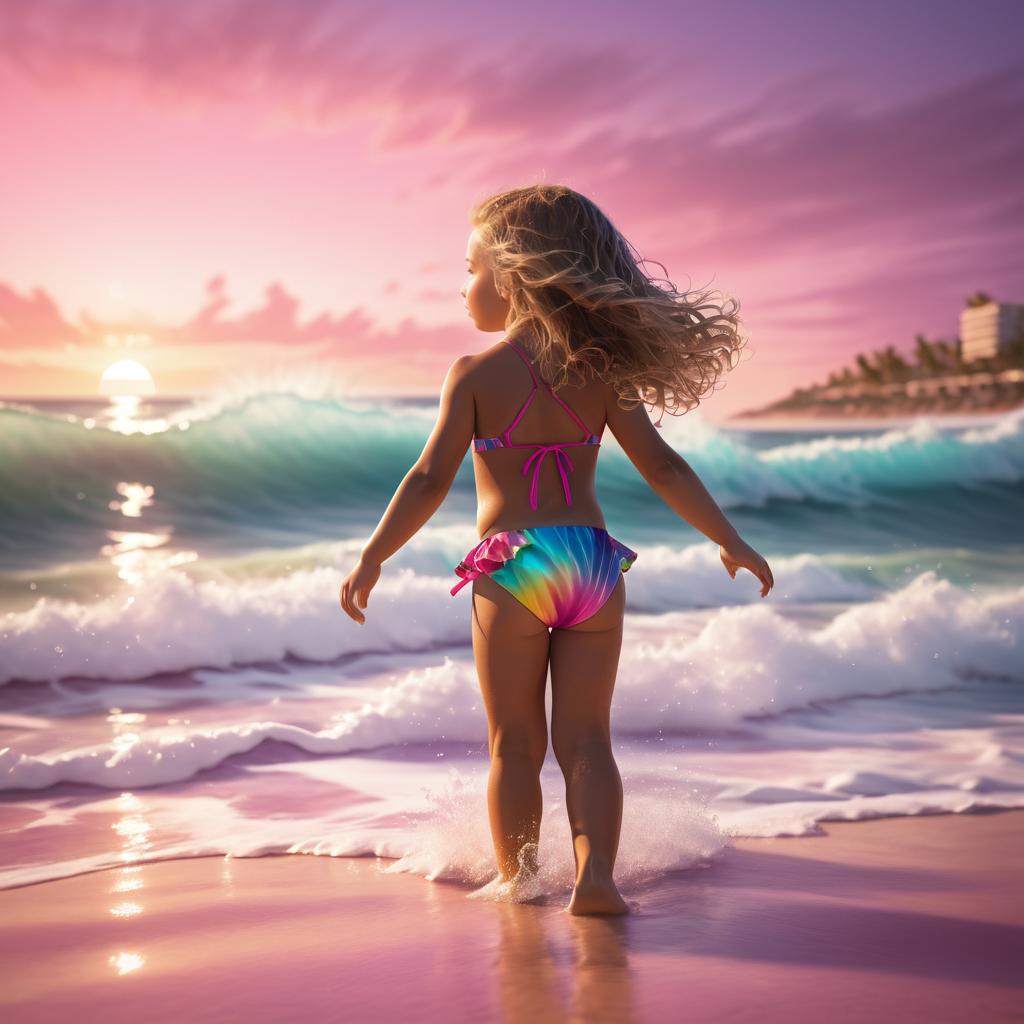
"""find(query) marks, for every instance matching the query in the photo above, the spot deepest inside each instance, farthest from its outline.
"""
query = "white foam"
(171, 622)
(175, 623)
(743, 663)
(683, 799)
(452, 841)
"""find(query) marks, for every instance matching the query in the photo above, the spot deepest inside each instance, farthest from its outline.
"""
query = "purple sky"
(211, 187)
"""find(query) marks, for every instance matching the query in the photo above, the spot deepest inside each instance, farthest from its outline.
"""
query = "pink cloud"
(317, 63)
(36, 322)
(33, 320)
(935, 166)
(277, 320)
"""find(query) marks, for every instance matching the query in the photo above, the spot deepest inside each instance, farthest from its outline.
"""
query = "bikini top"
(540, 453)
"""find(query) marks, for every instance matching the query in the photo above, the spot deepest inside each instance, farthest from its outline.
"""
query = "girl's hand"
(357, 586)
(738, 554)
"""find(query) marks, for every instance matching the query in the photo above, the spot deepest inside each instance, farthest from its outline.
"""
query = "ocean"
(177, 678)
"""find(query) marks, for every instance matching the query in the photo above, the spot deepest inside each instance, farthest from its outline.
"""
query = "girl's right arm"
(676, 482)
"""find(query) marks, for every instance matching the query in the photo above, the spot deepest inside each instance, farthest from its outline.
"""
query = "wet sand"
(898, 919)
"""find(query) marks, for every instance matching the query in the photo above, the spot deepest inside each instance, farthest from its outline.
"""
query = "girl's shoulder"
(483, 362)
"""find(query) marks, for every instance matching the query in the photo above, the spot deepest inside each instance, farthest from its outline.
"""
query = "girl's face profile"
(488, 308)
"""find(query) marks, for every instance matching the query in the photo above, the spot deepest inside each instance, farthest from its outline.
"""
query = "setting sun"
(127, 377)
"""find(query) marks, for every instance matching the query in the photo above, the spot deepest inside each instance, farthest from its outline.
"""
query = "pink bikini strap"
(529, 397)
(519, 352)
(533, 376)
(567, 408)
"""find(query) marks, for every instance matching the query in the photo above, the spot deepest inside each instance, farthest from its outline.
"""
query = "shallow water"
(179, 680)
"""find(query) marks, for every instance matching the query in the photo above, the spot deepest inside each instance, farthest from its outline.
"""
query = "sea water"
(177, 678)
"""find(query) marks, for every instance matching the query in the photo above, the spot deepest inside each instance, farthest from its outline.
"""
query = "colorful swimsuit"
(563, 574)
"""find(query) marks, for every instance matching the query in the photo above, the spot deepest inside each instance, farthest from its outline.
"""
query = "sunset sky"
(220, 189)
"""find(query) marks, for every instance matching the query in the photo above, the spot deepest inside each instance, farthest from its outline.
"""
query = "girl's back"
(549, 453)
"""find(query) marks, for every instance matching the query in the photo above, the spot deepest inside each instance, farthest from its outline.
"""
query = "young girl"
(548, 268)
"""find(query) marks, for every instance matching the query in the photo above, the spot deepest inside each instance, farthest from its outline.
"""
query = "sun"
(127, 377)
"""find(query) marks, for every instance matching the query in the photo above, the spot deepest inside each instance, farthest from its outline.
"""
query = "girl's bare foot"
(596, 894)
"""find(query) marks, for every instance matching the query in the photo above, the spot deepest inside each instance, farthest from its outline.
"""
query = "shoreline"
(815, 422)
(912, 918)
(866, 417)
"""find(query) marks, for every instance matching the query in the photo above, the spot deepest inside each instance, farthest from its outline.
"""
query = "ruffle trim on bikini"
(490, 554)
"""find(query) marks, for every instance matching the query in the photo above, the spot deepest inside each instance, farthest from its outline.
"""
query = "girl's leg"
(584, 662)
(510, 645)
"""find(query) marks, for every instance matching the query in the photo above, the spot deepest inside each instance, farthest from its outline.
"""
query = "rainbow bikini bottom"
(563, 574)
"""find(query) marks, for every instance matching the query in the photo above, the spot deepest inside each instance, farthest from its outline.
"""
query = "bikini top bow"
(563, 462)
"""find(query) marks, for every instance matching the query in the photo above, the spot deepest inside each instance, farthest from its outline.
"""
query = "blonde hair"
(575, 285)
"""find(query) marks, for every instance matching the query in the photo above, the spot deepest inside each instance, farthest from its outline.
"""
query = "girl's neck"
(525, 340)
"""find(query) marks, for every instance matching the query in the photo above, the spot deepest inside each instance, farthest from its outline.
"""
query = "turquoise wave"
(274, 469)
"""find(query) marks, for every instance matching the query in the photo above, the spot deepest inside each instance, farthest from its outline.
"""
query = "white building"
(986, 330)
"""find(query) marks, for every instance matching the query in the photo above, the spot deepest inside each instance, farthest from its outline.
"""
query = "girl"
(548, 268)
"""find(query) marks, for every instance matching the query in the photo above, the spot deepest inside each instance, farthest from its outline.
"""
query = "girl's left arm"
(423, 488)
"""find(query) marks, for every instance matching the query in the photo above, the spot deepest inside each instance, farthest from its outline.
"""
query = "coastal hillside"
(982, 370)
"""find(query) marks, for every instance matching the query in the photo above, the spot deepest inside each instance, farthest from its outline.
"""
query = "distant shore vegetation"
(934, 377)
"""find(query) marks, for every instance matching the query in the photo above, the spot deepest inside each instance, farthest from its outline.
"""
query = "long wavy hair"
(576, 287)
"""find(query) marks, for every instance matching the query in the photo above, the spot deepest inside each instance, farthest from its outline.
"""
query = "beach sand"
(898, 919)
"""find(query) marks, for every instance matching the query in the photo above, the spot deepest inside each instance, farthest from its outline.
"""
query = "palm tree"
(891, 365)
(868, 372)
(951, 353)
(978, 299)
(928, 358)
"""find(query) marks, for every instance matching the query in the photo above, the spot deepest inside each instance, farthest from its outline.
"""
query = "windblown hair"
(575, 285)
